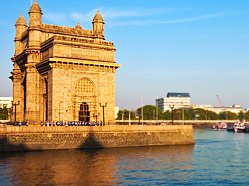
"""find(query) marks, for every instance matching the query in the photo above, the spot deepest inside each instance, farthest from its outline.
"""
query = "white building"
(235, 108)
(116, 112)
(6, 102)
(173, 100)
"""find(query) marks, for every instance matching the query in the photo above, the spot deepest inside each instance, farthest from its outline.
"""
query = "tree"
(243, 115)
(4, 113)
(200, 114)
(227, 115)
(166, 115)
(150, 112)
(124, 114)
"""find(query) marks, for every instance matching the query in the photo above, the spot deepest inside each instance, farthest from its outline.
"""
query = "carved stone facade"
(57, 69)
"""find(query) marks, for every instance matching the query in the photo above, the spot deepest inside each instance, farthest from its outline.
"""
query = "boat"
(230, 128)
(240, 127)
(220, 126)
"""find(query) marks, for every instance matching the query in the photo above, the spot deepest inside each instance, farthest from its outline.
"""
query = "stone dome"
(21, 20)
(35, 8)
(98, 17)
(78, 26)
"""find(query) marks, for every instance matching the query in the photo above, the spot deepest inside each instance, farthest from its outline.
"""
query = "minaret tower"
(32, 93)
(98, 26)
(35, 21)
(18, 97)
(21, 27)
(35, 14)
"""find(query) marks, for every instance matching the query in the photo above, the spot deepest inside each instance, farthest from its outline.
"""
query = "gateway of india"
(62, 73)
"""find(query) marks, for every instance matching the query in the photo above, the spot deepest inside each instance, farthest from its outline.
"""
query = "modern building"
(6, 102)
(173, 100)
(62, 73)
(234, 108)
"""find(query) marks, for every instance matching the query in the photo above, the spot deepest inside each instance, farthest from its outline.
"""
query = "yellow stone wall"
(61, 56)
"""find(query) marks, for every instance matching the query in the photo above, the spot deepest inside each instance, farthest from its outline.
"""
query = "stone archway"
(84, 100)
(84, 113)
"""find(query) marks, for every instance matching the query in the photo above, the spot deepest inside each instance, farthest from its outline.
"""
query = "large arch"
(84, 93)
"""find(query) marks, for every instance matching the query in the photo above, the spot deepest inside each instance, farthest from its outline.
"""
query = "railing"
(176, 121)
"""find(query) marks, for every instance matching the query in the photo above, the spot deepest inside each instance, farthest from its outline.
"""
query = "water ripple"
(217, 158)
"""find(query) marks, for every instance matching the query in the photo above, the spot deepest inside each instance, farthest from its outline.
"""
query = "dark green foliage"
(150, 112)
(4, 113)
(228, 116)
(124, 115)
(195, 114)
(243, 115)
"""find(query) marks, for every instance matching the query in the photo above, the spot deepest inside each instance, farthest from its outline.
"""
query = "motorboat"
(220, 126)
(240, 127)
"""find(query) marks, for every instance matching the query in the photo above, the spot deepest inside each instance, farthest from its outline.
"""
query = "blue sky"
(195, 46)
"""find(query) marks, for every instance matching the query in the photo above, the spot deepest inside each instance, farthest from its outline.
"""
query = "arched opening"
(84, 113)
(84, 100)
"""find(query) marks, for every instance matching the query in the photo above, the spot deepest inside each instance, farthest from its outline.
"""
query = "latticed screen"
(84, 86)
(84, 100)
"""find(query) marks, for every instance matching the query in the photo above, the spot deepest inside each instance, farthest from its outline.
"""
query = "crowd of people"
(61, 123)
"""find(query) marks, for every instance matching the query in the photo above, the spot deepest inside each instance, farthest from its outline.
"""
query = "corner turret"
(98, 26)
(35, 14)
(21, 27)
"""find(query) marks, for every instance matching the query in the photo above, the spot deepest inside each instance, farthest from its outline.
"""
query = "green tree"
(124, 114)
(4, 113)
(150, 112)
(243, 115)
(200, 114)
(227, 115)
(246, 115)
(166, 115)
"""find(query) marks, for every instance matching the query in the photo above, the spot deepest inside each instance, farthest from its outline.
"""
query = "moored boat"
(240, 127)
(220, 126)
(230, 128)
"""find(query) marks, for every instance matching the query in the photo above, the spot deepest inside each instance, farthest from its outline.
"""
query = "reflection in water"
(156, 165)
(217, 158)
(95, 167)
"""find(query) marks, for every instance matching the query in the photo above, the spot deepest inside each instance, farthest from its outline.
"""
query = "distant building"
(116, 112)
(6, 102)
(173, 99)
(234, 108)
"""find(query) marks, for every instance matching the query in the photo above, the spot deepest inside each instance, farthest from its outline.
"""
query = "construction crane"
(220, 103)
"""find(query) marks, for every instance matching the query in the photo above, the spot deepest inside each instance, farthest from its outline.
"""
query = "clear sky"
(195, 46)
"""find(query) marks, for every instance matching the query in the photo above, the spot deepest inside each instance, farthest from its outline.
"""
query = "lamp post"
(60, 110)
(96, 117)
(103, 107)
(183, 118)
(172, 114)
(44, 97)
(15, 104)
(122, 116)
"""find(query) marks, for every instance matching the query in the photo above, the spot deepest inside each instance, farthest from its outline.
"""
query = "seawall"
(15, 138)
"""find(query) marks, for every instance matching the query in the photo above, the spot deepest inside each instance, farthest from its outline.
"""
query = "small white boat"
(240, 127)
(220, 126)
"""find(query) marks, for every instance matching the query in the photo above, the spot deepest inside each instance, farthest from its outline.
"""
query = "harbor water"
(217, 158)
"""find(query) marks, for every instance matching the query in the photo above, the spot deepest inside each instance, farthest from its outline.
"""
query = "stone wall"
(78, 137)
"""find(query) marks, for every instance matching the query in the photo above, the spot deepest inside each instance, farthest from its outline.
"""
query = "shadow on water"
(86, 166)
(91, 142)
(6, 146)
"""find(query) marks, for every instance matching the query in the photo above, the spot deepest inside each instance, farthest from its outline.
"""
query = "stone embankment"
(198, 124)
(15, 138)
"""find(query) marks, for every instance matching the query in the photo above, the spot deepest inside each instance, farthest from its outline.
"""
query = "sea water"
(217, 158)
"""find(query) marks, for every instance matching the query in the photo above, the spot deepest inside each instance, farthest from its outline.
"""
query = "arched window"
(84, 100)
(84, 86)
